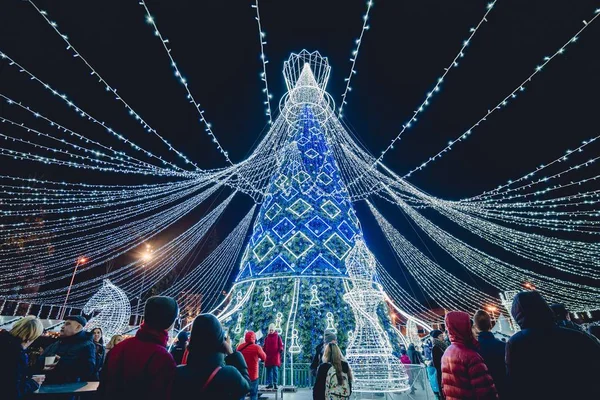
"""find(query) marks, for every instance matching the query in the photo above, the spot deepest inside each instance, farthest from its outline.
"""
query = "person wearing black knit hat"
(142, 367)
(439, 347)
(74, 354)
(212, 365)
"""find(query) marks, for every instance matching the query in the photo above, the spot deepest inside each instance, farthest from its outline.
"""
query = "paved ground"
(306, 394)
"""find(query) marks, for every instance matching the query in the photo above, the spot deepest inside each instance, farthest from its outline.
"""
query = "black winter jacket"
(230, 383)
(321, 382)
(77, 359)
(493, 351)
(535, 367)
(14, 381)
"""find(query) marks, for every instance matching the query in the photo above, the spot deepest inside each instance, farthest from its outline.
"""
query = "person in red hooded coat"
(273, 347)
(252, 353)
(464, 374)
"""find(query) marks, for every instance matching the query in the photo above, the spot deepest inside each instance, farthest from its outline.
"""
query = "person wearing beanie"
(534, 370)
(252, 353)
(464, 373)
(328, 337)
(179, 348)
(74, 354)
(213, 370)
(141, 367)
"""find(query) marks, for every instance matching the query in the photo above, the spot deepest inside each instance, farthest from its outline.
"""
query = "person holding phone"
(212, 366)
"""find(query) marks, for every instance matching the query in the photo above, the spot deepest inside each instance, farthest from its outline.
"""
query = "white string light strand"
(263, 58)
(504, 102)
(108, 87)
(430, 94)
(183, 81)
(358, 42)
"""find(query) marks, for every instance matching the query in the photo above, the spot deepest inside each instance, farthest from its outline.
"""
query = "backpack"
(333, 390)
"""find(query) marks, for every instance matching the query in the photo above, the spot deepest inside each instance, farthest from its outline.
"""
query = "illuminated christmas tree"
(294, 270)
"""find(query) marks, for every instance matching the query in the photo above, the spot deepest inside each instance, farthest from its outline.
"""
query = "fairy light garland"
(108, 87)
(264, 61)
(358, 42)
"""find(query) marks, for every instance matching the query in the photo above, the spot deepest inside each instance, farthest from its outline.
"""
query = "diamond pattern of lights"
(299, 207)
(273, 211)
(324, 178)
(337, 246)
(264, 247)
(330, 209)
(346, 231)
(301, 177)
(317, 226)
(311, 153)
(299, 244)
(283, 228)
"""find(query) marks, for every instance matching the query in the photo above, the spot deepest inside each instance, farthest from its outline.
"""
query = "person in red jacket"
(252, 353)
(273, 347)
(464, 374)
(141, 367)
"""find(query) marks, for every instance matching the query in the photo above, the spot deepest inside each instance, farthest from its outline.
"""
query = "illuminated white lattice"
(507, 298)
(369, 351)
(113, 307)
(314, 292)
(267, 293)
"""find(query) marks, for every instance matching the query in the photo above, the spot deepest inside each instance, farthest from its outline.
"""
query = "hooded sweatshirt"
(533, 355)
(464, 374)
(252, 353)
(207, 356)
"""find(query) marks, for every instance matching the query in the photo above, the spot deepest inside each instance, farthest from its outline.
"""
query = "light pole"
(80, 260)
(146, 256)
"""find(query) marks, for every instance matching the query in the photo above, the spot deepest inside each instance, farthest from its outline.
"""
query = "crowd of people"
(464, 362)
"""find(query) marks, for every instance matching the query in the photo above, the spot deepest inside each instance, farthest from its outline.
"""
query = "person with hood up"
(273, 348)
(464, 374)
(492, 350)
(534, 371)
(212, 366)
(15, 382)
(74, 352)
(437, 351)
(180, 346)
(141, 367)
(252, 353)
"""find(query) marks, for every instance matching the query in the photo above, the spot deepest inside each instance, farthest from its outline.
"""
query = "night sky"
(216, 46)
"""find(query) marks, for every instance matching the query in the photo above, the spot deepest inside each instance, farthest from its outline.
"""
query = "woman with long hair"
(116, 339)
(334, 376)
(100, 351)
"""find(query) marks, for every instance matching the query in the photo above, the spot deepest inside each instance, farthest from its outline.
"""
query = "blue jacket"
(493, 350)
(14, 381)
(77, 359)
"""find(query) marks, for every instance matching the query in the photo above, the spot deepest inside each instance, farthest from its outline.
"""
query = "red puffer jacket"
(464, 374)
(273, 347)
(252, 353)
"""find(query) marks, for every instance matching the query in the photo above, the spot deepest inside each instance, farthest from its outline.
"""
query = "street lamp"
(146, 257)
(81, 260)
(529, 286)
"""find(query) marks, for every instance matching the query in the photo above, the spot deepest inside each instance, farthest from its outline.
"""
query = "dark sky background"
(216, 46)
